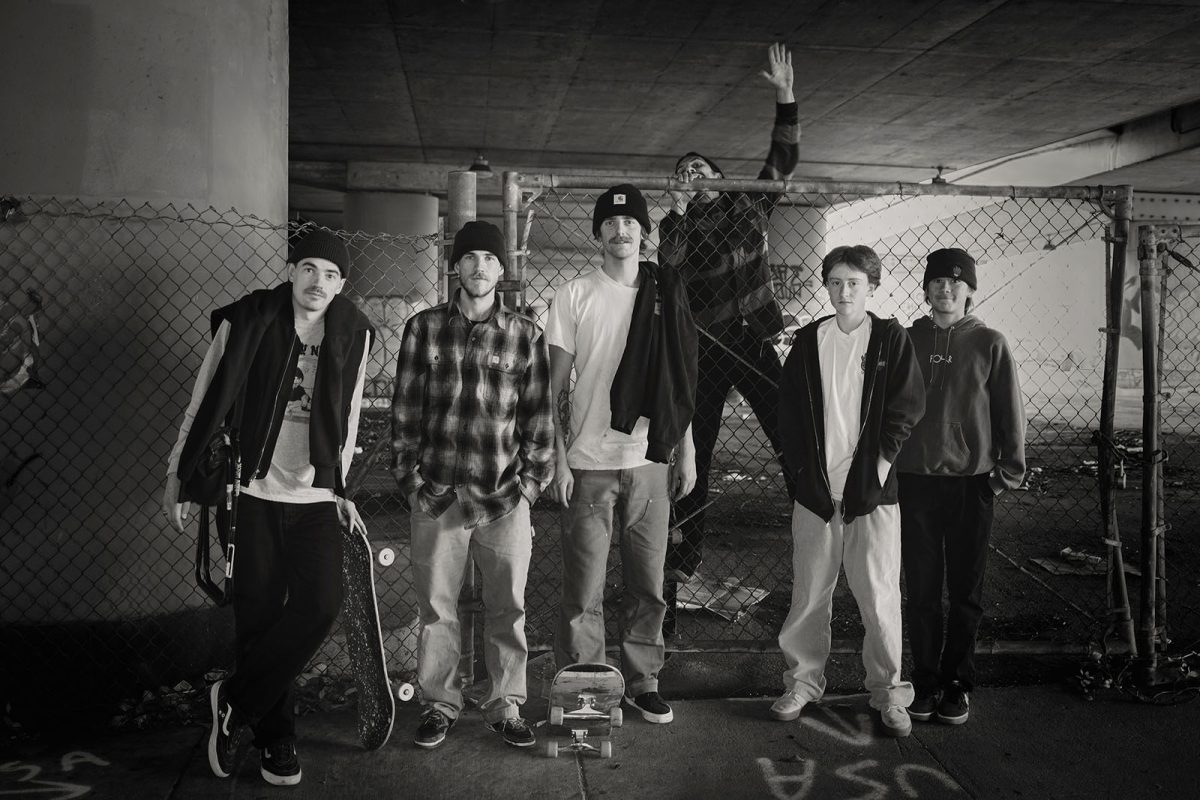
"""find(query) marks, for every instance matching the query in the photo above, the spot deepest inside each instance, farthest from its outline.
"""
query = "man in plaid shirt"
(473, 446)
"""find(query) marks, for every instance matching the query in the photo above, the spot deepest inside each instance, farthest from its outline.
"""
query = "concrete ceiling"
(402, 90)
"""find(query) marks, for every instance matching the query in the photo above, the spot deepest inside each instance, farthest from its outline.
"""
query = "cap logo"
(956, 271)
(618, 199)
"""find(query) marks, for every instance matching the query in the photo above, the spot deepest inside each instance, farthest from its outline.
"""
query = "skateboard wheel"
(676, 536)
(386, 556)
(616, 717)
(405, 692)
(550, 750)
(606, 749)
(556, 715)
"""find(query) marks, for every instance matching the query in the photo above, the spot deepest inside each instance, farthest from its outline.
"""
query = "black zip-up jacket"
(657, 374)
(893, 401)
(259, 360)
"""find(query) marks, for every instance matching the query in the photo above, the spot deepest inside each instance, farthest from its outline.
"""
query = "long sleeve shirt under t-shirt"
(841, 356)
(289, 478)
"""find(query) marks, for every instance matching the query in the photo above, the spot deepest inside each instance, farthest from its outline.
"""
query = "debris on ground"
(726, 598)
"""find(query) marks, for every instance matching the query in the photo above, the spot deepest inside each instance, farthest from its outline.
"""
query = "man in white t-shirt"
(850, 395)
(286, 367)
(603, 475)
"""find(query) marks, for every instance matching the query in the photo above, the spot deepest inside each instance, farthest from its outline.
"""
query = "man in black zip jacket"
(289, 362)
(850, 395)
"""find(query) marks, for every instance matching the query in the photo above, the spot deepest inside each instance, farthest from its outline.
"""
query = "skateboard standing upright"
(364, 639)
(585, 703)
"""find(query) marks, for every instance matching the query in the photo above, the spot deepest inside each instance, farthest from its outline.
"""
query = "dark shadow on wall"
(60, 678)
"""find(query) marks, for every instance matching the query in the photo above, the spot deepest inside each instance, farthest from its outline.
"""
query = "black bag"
(217, 482)
(208, 483)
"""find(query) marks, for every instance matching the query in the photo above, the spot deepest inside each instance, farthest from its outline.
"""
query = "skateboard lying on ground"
(585, 703)
(364, 639)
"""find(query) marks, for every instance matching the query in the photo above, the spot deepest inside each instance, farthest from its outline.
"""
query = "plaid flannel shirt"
(721, 247)
(471, 413)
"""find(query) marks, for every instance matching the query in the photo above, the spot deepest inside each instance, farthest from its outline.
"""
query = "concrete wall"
(151, 111)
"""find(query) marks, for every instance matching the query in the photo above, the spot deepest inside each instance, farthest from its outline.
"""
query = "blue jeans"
(501, 549)
(633, 504)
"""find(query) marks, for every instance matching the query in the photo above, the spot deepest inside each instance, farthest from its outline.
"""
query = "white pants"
(869, 548)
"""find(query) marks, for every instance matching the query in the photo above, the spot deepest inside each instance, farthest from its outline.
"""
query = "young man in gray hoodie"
(969, 447)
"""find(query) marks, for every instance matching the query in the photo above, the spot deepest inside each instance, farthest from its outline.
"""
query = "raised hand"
(780, 73)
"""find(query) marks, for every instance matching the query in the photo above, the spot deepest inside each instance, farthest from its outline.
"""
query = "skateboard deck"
(364, 639)
(585, 705)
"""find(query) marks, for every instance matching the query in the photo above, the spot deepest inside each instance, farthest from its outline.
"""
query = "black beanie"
(477, 235)
(720, 172)
(950, 262)
(320, 243)
(623, 201)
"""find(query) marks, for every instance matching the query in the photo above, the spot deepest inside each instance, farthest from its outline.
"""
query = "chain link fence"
(104, 322)
(1179, 345)
(1042, 261)
(104, 314)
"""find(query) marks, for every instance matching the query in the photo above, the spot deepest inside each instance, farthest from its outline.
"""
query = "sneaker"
(787, 707)
(223, 739)
(432, 731)
(954, 707)
(923, 706)
(280, 765)
(896, 722)
(652, 707)
(515, 731)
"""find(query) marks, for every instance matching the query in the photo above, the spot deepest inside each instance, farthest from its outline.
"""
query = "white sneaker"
(896, 722)
(787, 707)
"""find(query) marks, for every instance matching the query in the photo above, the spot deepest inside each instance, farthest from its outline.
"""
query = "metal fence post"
(515, 271)
(461, 205)
(1119, 616)
(1148, 270)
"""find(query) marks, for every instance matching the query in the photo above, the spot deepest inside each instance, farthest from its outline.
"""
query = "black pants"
(739, 360)
(945, 523)
(287, 590)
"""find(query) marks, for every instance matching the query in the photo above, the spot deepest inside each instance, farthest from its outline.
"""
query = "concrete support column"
(134, 117)
(395, 279)
(797, 242)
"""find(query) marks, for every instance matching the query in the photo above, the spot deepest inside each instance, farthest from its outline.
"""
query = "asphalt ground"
(1038, 741)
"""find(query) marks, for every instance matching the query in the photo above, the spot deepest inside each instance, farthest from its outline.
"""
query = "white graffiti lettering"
(788, 787)
(81, 757)
(850, 773)
(902, 773)
(841, 728)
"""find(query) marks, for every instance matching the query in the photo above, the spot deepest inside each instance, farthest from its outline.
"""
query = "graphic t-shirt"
(290, 476)
(590, 319)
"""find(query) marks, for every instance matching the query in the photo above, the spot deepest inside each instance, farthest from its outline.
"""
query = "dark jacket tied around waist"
(257, 366)
(657, 374)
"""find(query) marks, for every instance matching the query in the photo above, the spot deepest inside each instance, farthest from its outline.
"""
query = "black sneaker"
(280, 765)
(652, 707)
(954, 707)
(223, 739)
(432, 730)
(923, 706)
(515, 731)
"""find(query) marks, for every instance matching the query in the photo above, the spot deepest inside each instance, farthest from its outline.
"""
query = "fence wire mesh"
(1180, 437)
(104, 323)
(1042, 283)
(104, 314)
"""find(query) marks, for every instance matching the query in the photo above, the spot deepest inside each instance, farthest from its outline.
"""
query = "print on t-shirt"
(300, 400)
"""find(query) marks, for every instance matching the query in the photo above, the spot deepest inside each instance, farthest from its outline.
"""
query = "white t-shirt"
(590, 319)
(841, 356)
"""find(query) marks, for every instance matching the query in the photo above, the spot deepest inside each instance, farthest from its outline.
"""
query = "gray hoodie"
(974, 414)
